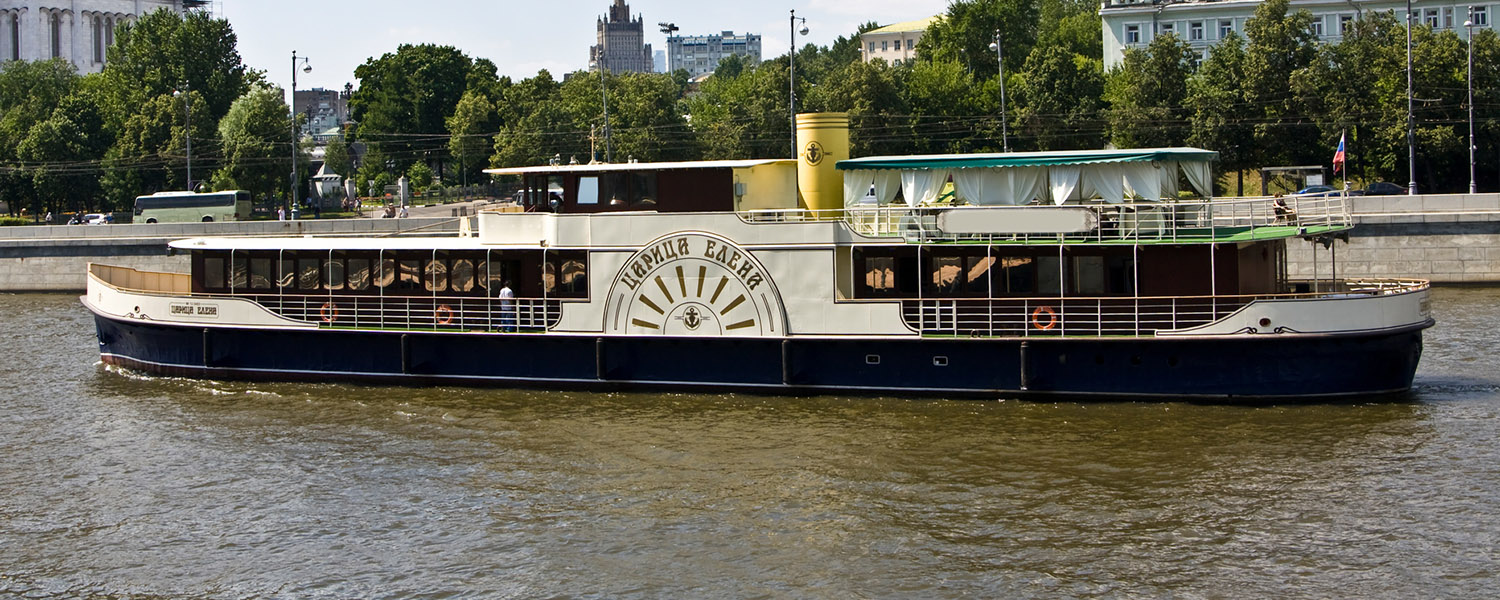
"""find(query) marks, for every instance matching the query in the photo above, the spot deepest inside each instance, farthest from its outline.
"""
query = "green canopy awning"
(1027, 159)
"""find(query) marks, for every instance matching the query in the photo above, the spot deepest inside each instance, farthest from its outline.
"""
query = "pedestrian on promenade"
(281, 213)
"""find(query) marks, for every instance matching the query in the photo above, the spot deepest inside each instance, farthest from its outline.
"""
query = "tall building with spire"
(622, 43)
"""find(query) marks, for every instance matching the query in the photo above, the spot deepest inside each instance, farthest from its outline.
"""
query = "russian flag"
(1338, 157)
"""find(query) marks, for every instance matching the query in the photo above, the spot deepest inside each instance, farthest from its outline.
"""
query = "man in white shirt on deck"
(507, 308)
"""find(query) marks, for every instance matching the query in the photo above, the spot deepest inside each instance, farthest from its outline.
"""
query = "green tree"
(967, 29)
(1281, 43)
(1146, 94)
(337, 159)
(253, 135)
(1215, 101)
(872, 95)
(163, 50)
(472, 129)
(405, 98)
(942, 95)
(64, 149)
(29, 91)
(1059, 100)
(419, 176)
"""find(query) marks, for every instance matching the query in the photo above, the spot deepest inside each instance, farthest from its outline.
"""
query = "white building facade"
(896, 44)
(79, 31)
(700, 54)
(1202, 23)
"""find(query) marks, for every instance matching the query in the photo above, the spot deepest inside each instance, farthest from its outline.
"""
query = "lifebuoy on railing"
(329, 313)
(1036, 318)
(442, 314)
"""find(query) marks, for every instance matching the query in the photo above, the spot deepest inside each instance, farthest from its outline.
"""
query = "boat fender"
(1036, 318)
(329, 313)
(442, 314)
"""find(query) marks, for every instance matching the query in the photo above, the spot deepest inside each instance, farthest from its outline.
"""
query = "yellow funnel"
(822, 140)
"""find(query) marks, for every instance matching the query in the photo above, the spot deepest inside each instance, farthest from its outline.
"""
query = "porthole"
(872, 359)
(939, 361)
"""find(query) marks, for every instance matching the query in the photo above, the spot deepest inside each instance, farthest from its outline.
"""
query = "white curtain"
(922, 186)
(1025, 184)
(1063, 180)
(886, 184)
(985, 186)
(1168, 172)
(1105, 180)
(856, 185)
(1200, 177)
(1141, 179)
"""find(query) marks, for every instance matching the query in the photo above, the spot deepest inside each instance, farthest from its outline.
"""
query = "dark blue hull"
(1245, 367)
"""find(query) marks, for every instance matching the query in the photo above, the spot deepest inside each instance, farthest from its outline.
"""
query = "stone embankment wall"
(1452, 238)
(55, 258)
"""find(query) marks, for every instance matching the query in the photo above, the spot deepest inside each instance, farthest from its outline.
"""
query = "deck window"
(977, 273)
(880, 274)
(946, 275)
(588, 190)
(1016, 277)
(286, 272)
(435, 276)
(213, 273)
(239, 271)
(307, 273)
(1048, 276)
(260, 273)
(333, 273)
(565, 274)
(358, 274)
(384, 273)
(409, 276)
(462, 279)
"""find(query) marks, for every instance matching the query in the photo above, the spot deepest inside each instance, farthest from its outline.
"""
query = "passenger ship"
(1084, 274)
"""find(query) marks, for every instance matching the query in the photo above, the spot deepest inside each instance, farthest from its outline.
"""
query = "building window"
(1481, 16)
(911, 44)
(56, 35)
(1448, 18)
(872, 46)
(1430, 16)
(898, 62)
(1345, 22)
(1132, 34)
(1167, 28)
(1195, 31)
(98, 40)
(1317, 27)
(15, 36)
(109, 31)
(885, 45)
(1225, 26)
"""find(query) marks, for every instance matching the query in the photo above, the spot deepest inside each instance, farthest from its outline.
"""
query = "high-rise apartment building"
(80, 31)
(622, 46)
(700, 54)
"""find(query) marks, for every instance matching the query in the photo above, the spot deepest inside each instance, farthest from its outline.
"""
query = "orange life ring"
(329, 312)
(442, 314)
(1036, 318)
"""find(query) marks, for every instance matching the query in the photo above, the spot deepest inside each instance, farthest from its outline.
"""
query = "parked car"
(1315, 191)
(1384, 188)
(95, 219)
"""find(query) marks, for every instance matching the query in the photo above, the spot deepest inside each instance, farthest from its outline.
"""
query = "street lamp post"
(296, 133)
(1000, 56)
(791, 65)
(604, 94)
(1469, 26)
(187, 98)
(1411, 119)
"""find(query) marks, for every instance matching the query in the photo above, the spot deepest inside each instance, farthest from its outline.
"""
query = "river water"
(124, 486)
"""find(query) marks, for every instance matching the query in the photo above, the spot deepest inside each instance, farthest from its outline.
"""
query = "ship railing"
(136, 280)
(1189, 220)
(1114, 316)
(412, 312)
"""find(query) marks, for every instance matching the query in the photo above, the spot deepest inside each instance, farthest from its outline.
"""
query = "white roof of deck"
(640, 166)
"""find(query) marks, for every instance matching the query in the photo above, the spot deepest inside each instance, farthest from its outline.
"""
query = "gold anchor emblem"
(813, 153)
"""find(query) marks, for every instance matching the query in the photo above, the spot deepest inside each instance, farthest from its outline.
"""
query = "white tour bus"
(183, 207)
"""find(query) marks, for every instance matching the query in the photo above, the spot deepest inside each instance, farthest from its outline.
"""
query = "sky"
(520, 37)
